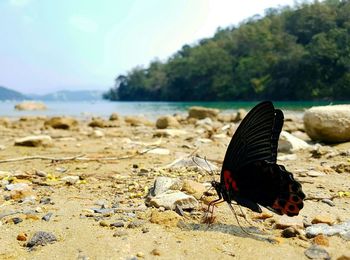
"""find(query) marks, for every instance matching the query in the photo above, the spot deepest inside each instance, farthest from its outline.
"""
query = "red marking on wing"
(229, 181)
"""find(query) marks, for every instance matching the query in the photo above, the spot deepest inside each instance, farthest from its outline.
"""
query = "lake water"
(148, 109)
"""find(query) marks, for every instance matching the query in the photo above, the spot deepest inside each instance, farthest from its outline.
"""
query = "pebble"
(41, 238)
(120, 233)
(321, 240)
(22, 236)
(145, 230)
(135, 224)
(155, 252)
(70, 180)
(289, 232)
(287, 157)
(47, 217)
(117, 224)
(140, 254)
(316, 252)
(285, 222)
(17, 220)
(313, 173)
(329, 202)
(104, 223)
(45, 200)
(323, 219)
(344, 257)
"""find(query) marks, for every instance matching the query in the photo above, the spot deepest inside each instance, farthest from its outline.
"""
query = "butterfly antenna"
(239, 224)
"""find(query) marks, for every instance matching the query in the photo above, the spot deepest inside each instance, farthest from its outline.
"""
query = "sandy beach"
(86, 186)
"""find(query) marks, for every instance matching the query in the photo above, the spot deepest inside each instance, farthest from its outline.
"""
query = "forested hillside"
(292, 53)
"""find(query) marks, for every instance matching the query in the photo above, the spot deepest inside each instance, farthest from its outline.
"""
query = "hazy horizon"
(84, 45)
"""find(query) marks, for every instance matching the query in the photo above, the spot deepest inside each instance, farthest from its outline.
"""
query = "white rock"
(289, 143)
(70, 179)
(34, 141)
(160, 151)
(170, 199)
(17, 187)
(97, 134)
(329, 124)
(163, 184)
(205, 121)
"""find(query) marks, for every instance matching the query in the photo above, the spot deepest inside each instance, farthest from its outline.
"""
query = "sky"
(47, 46)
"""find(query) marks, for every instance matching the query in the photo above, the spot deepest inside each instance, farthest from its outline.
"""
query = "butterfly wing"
(255, 140)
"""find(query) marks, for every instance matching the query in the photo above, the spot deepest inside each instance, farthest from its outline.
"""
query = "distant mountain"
(68, 95)
(9, 94)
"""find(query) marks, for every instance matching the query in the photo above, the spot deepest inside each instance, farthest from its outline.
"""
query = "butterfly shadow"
(245, 232)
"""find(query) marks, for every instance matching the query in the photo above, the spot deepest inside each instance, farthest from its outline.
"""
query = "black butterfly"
(250, 174)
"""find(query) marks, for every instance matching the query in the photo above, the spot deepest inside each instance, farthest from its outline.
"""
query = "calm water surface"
(149, 109)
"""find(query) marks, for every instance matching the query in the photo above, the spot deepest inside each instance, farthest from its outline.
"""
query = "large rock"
(167, 121)
(34, 141)
(61, 122)
(329, 124)
(202, 112)
(29, 105)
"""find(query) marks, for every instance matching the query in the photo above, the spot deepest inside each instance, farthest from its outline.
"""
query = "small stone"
(41, 238)
(344, 257)
(45, 200)
(47, 217)
(155, 252)
(65, 123)
(17, 220)
(135, 224)
(145, 230)
(323, 219)
(313, 173)
(114, 117)
(120, 233)
(166, 122)
(202, 112)
(321, 240)
(285, 222)
(140, 254)
(329, 202)
(316, 252)
(70, 180)
(104, 223)
(167, 218)
(289, 232)
(117, 224)
(22, 236)
(263, 215)
(38, 210)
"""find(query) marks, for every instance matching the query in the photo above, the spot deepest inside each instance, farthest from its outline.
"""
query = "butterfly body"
(250, 174)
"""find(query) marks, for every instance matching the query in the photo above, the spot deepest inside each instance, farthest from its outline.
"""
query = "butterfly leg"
(209, 216)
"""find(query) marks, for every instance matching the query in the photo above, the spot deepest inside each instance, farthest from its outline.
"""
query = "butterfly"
(250, 175)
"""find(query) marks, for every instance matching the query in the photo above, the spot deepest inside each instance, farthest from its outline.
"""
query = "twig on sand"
(76, 158)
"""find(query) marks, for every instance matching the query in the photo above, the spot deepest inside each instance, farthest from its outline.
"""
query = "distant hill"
(67, 95)
(9, 94)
